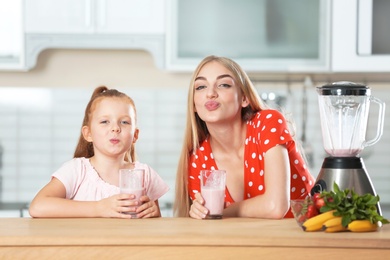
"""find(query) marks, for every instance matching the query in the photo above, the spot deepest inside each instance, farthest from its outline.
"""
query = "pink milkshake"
(131, 181)
(343, 152)
(214, 200)
(138, 193)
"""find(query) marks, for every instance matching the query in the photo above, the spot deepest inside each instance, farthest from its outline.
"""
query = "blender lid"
(344, 88)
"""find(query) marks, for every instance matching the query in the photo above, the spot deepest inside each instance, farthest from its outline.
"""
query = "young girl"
(229, 128)
(87, 186)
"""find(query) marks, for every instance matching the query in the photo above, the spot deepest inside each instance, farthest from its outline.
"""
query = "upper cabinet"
(11, 35)
(58, 16)
(360, 36)
(95, 16)
(303, 36)
(109, 24)
(261, 35)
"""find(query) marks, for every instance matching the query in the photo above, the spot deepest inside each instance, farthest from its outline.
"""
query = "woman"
(229, 128)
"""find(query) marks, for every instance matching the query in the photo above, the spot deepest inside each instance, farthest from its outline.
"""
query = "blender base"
(348, 173)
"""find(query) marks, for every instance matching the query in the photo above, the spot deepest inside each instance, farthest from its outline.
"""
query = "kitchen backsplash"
(39, 128)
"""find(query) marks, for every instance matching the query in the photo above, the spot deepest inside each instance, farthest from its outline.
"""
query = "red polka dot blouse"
(267, 129)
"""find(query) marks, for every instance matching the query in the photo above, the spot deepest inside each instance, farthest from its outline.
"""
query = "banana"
(362, 226)
(333, 225)
(335, 221)
(337, 228)
(315, 223)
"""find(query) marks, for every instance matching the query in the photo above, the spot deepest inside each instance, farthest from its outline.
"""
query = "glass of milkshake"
(213, 191)
(131, 181)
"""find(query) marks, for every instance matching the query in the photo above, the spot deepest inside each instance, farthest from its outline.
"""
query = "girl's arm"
(275, 202)
(148, 209)
(51, 202)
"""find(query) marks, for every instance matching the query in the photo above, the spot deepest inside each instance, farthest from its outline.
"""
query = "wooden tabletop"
(180, 236)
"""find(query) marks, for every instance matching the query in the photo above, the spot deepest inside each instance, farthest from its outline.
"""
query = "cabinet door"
(262, 35)
(360, 38)
(130, 16)
(95, 16)
(11, 35)
(58, 16)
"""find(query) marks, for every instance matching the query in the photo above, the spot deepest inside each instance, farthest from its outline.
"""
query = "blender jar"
(344, 109)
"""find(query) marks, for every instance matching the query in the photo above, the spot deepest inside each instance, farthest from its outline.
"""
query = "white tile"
(10, 213)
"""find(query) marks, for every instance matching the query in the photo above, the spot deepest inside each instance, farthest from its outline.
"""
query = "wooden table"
(182, 238)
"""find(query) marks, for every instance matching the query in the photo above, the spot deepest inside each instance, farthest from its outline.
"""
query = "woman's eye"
(200, 87)
(224, 85)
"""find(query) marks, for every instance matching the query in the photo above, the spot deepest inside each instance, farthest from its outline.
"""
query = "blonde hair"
(196, 130)
(85, 148)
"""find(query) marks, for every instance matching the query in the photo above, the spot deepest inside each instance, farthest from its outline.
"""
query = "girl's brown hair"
(85, 148)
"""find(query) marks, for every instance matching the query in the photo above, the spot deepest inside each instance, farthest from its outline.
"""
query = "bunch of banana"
(315, 223)
(335, 225)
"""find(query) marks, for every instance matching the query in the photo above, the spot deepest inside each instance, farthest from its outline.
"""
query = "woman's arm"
(51, 202)
(275, 202)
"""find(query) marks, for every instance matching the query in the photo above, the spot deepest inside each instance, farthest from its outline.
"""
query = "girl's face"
(217, 98)
(112, 127)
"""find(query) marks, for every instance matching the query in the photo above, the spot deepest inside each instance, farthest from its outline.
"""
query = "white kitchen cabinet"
(95, 16)
(58, 16)
(131, 17)
(11, 35)
(100, 24)
(360, 38)
(261, 35)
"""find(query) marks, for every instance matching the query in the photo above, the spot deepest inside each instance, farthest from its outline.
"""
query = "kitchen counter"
(182, 238)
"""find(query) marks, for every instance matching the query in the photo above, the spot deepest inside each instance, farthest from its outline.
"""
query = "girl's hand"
(148, 209)
(198, 210)
(117, 206)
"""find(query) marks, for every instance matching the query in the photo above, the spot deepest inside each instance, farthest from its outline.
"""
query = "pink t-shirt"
(83, 183)
(267, 129)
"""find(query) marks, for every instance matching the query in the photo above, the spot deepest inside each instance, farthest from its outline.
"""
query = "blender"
(344, 110)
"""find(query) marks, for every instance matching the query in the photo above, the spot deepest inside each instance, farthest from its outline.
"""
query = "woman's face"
(217, 97)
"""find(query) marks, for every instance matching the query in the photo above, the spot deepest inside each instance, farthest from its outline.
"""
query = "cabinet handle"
(88, 13)
(101, 12)
(364, 27)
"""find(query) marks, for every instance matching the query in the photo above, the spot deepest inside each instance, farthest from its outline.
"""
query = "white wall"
(90, 68)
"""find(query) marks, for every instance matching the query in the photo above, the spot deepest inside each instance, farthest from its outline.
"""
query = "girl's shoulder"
(79, 162)
(146, 167)
(139, 165)
(77, 167)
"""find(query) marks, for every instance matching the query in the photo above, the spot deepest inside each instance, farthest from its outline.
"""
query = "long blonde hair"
(196, 130)
(85, 148)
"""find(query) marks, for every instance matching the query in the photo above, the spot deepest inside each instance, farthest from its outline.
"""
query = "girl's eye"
(124, 122)
(104, 122)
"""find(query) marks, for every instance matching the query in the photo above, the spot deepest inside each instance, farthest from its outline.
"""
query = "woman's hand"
(198, 210)
(148, 209)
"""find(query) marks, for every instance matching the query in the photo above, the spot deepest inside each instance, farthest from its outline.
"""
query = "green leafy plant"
(352, 206)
